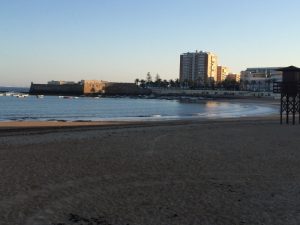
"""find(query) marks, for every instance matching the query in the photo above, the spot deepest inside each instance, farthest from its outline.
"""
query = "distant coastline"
(14, 89)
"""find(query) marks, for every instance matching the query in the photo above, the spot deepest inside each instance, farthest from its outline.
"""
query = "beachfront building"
(260, 78)
(233, 76)
(198, 67)
(222, 72)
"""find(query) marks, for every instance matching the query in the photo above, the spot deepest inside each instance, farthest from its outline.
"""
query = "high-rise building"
(198, 67)
(212, 66)
(223, 71)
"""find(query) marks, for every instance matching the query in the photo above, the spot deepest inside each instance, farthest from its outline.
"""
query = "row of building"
(196, 69)
(202, 68)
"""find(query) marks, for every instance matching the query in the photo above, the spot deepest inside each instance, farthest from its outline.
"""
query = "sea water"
(53, 108)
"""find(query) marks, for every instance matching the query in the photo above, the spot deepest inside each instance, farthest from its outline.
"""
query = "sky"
(120, 40)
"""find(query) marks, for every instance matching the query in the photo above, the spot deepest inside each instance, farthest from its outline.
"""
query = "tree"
(267, 84)
(177, 83)
(165, 83)
(242, 84)
(157, 77)
(212, 83)
(246, 84)
(185, 83)
(142, 83)
(157, 81)
(218, 84)
(252, 85)
(137, 81)
(198, 82)
(191, 84)
(230, 84)
(148, 79)
(172, 83)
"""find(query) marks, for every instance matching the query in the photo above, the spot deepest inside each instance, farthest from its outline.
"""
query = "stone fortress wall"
(56, 89)
(112, 88)
(86, 87)
(93, 86)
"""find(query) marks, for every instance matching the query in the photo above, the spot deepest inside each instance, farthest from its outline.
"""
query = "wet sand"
(222, 172)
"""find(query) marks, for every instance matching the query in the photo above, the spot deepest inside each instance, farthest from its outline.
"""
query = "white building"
(260, 78)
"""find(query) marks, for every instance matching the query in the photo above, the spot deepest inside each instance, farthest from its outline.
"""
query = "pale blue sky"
(120, 40)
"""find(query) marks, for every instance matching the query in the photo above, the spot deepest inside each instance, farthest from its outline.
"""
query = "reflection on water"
(212, 104)
(98, 109)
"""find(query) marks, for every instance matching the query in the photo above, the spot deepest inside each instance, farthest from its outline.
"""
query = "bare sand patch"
(185, 172)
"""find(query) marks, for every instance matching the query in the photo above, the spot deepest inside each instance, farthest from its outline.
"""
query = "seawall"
(213, 93)
(53, 89)
(88, 88)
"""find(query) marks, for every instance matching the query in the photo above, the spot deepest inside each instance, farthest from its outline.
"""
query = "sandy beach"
(222, 172)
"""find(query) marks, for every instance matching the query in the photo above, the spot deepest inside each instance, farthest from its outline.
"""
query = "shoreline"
(147, 120)
(22, 126)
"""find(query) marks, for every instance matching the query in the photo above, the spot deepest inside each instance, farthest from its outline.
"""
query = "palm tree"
(172, 83)
(157, 80)
(268, 84)
(185, 83)
(148, 79)
(142, 83)
(198, 82)
(212, 84)
(242, 83)
(165, 83)
(259, 82)
(246, 83)
(157, 77)
(253, 84)
(177, 83)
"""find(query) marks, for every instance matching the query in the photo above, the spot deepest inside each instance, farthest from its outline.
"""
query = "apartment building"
(199, 67)
(222, 72)
(233, 76)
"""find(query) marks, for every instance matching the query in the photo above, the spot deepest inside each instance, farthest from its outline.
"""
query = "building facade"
(260, 78)
(199, 67)
(93, 86)
(222, 72)
(233, 76)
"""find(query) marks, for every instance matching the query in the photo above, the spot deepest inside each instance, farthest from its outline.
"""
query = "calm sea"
(98, 109)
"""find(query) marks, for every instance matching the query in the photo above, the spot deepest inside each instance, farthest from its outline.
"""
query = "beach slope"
(221, 172)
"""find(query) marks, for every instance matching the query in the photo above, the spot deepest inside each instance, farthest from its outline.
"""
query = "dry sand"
(223, 172)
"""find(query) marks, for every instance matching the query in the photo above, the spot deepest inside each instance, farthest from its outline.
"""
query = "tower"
(289, 90)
